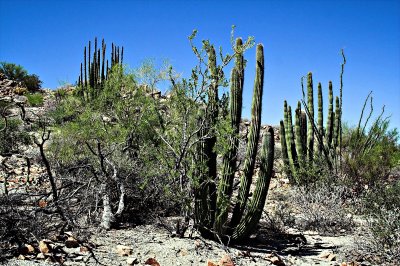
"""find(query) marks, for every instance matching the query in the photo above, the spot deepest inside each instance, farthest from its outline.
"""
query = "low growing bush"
(322, 208)
(35, 99)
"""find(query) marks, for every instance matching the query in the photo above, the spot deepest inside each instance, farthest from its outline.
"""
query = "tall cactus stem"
(254, 136)
(256, 206)
(298, 139)
(320, 119)
(285, 157)
(310, 103)
(329, 121)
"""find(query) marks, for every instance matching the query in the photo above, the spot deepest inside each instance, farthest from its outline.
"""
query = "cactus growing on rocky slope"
(95, 73)
(212, 204)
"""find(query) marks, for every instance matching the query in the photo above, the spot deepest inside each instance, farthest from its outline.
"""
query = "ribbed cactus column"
(320, 119)
(84, 64)
(229, 159)
(254, 135)
(310, 105)
(329, 122)
(336, 127)
(298, 140)
(256, 205)
(285, 157)
(290, 142)
(303, 133)
(241, 223)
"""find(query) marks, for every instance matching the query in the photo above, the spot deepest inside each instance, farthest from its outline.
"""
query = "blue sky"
(47, 38)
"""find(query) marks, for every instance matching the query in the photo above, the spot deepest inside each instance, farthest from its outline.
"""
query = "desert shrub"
(370, 155)
(322, 208)
(67, 110)
(22, 223)
(380, 242)
(32, 82)
(110, 145)
(12, 136)
(35, 99)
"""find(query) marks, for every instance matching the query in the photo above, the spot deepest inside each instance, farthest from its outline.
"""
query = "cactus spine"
(241, 222)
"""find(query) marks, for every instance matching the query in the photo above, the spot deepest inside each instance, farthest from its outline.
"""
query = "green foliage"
(35, 99)
(370, 155)
(12, 136)
(32, 82)
(13, 71)
(18, 73)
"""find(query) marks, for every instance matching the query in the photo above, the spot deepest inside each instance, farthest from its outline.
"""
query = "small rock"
(43, 247)
(123, 250)
(21, 257)
(211, 263)
(40, 256)
(152, 262)
(71, 242)
(275, 259)
(132, 261)
(331, 257)
(83, 249)
(30, 248)
(226, 261)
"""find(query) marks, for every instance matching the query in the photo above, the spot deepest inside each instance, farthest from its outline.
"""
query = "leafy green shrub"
(35, 99)
(12, 136)
(369, 156)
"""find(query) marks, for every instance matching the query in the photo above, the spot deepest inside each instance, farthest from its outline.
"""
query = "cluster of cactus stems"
(298, 144)
(95, 68)
(212, 201)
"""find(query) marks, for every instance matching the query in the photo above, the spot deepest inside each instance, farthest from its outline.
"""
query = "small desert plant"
(381, 235)
(322, 208)
(20, 90)
(35, 99)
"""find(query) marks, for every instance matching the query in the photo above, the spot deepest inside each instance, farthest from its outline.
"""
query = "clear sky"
(47, 38)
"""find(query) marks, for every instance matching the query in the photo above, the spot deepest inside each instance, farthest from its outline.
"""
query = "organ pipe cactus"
(211, 213)
(310, 99)
(95, 72)
(303, 139)
(320, 119)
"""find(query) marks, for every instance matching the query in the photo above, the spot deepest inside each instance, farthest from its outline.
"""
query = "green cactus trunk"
(320, 120)
(310, 103)
(303, 133)
(298, 140)
(213, 219)
(290, 141)
(254, 136)
(229, 159)
(329, 122)
(285, 157)
(251, 218)
(336, 127)
(84, 64)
